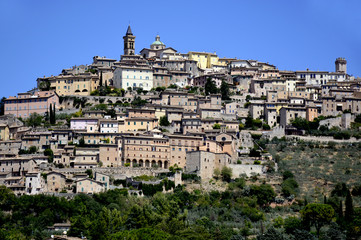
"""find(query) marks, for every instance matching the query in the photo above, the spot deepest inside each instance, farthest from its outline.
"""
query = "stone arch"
(160, 164)
(154, 163)
(147, 163)
(77, 90)
(134, 163)
(141, 163)
(128, 161)
(166, 163)
(85, 90)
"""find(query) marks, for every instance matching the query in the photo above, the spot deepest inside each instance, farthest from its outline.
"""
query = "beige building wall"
(4, 132)
(109, 155)
(55, 182)
(179, 146)
(145, 151)
(89, 186)
(25, 103)
(204, 163)
(140, 124)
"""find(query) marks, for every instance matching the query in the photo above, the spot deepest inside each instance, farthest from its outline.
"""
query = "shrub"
(48, 152)
(291, 224)
(254, 153)
(32, 150)
(356, 191)
(287, 174)
(186, 176)
(289, 187)
(226, 174)
(163, 121)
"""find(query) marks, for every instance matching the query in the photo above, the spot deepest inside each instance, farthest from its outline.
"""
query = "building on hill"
(75, 70)
(26, 103)
(89, 186)
(15, 127)
(204, 59)
(18, 165)
(287, 114)
(104, 67)
(34, 183)
(201, 81)
(133, 76)
(182, 65)
(109, 154)
(64, 85)
(204, 163)
(150, 150)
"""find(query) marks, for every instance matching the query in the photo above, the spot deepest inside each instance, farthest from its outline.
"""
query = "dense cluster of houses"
(201, 133)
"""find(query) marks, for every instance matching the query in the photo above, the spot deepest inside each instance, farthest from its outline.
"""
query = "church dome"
(157, 41)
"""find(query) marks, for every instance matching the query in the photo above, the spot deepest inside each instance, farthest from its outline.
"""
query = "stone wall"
(122, 172)
(117, 173)
(331, 122)
(67, 102)
(249, 170)
(275, 132)
(344, 121)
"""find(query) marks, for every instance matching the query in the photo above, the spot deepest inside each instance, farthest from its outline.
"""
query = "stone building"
(150, 150)
(204, 163)
(27, 103)
(89, 186)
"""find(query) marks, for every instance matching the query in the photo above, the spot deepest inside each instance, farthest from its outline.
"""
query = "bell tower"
(129, 41)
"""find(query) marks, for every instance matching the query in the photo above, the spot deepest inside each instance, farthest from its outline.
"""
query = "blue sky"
(42, 37)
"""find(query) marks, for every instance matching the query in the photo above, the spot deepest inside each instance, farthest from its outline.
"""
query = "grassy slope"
(318, 169)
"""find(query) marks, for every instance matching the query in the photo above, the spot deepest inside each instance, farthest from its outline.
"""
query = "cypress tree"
(50, 113)
(324, 199)
(101, 79)
(340, 210)
(53, 117)
(349, 207)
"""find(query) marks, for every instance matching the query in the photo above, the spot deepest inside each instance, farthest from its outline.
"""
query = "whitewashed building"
(134, 77)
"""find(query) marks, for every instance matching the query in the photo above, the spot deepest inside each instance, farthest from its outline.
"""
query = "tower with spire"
(129, 41)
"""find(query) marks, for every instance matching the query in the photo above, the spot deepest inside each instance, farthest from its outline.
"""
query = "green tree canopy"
(264, 193)
(163, 121)
(318, 215)
(226, 174)
(210, 87)
(34, 120)
(225, 90)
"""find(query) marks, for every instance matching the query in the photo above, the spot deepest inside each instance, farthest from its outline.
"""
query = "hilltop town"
(170, 145)
(158, 119)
